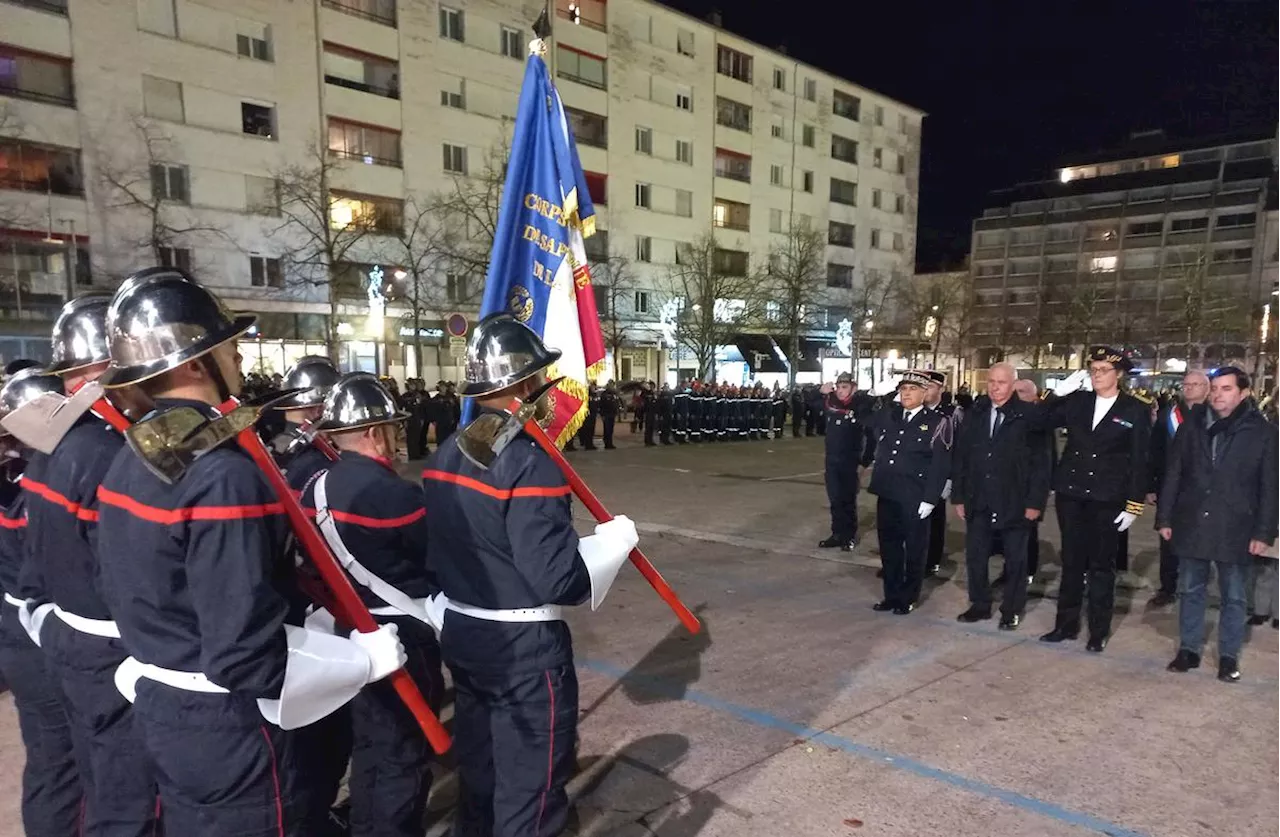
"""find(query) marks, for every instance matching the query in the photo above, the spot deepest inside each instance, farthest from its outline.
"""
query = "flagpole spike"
(542, 26)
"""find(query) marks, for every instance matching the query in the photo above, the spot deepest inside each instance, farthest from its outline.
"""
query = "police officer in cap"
(912, 456)
(376, 523)
(51, 788)
(508, 561)
(847, 411)
(197, 569)
(1100, 485)
(298, 458)
(64, 554)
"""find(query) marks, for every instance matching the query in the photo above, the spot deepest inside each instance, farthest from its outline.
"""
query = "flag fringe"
(575, 421)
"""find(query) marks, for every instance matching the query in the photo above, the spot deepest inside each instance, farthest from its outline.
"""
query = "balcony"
(375, 11)
(733, 166)
(731, 215)
(39, 78)
(56, 7)
(588, 13)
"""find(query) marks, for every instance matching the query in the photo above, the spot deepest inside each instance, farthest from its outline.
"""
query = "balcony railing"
(57, 7)
(367, 159)
(389, 91)
(67, 99)
(576, 17)
(378, 12)
(589, 82)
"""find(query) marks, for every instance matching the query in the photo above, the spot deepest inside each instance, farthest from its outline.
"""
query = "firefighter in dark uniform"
(450, 411)
(51, 789)
(847, 412)
(665, 402)
(372, 517)
(796, 397)
(649, 407)
(1100, 485)
(778, 402)
(912, 456)
(933, 400)
(587, 433)
(610, 404)
(63, 559)
(680, 414)
(695, 411)
(198, 573)
(508, 561)
(297, 457)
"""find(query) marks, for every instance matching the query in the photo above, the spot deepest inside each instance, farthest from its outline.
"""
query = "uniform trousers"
(51, 792)
(1090, 543)
(980, 532)
(937, 535)
(515, 738)
(324, 749)
(904, 538)
(608, 421)
(842, 494)
(586, 435)
(115, 769)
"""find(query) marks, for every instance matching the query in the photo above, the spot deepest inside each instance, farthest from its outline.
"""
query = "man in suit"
(1000, 484)
(912, 455)
(1100, 486)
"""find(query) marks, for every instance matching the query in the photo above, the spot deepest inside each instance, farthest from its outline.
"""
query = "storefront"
(279, 339)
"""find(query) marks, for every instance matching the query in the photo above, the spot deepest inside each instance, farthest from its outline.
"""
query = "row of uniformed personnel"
(167, 669)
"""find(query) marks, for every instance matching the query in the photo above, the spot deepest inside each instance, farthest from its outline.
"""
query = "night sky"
(1011, 87)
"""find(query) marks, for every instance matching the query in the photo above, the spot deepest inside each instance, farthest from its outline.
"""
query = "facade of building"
(1161, 247)
(308, 159)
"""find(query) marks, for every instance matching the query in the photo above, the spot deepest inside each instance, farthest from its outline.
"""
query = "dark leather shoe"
(1060, 634)
(1097, 644)
(974, 614)
(1010, 623)
(903, 610)
(848, 546)
(1228, 670)
(883, 606)
(1257, 620)
(1184, 661)
(830, 543)
(1162, 599)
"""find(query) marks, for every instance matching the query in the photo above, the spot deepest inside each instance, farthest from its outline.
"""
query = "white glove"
(621, 530)
(386, 653)
(31, 617)
(925, 510)
(1071, 383)
(946, 490)
(1124, 520)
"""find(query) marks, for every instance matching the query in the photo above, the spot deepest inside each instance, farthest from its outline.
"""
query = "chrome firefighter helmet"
(315, 375)
(26, 385)
(358, 400)
(80, 333)
(161, 318)
(504, 351)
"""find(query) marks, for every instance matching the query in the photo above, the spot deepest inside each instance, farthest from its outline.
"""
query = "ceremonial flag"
(538, 267)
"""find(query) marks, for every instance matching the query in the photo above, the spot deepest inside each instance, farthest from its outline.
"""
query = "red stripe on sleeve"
(153, 514)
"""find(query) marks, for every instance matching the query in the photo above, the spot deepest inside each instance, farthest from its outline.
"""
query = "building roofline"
(1153, 143)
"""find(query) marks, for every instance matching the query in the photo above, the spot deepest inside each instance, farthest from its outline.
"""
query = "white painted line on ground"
(790, 477)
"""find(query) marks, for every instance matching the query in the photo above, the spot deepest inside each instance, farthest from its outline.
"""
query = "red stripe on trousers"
(275, 781)
(551, 753)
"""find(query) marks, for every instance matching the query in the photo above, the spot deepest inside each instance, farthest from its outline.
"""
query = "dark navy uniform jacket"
(197, 573)
(498, 539)
(13, 525)
(912, 457)
(62, 549)
(300, 462)
(1107, 463)
(846, 427)
(383, 522)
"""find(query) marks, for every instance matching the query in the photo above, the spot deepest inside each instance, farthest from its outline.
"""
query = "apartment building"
(206, 135)
(1162, 245)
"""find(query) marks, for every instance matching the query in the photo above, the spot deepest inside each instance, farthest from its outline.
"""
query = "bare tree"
(796, 285)
(869, 305)
(716, 297)
(419, 248)
(1202, 303)
(467, 210)
(962, 325)
(1043, 325)
(1087, 303)
(614, 282)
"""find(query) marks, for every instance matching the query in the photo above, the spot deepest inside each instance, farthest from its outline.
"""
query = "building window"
(41, 78)
(640, 302)
(684, 42)
(779, 79)
(512, 45)
(843, 104)
(879, 115)
(44, 169)
(455, 95)
(775, 128)
(733, 114)
(875, 198)
(901, 164)
(644, 196)
(451, 24)
(588, 128)
(684, 99)
(1188, 224)
(253, 40)
(877, 158)
(597, 187)
(361, 71)
(581, 67)
(176, 257)
(730, 262)
(684, 152)
(369, 145)
(839, 275)
(899, 243)
(261, 195)
(775, 221)
(1243, 219)
(684, 203)
(775, 175)
(875, 239)
(384, 215)
(644, 248)
(902, 123)
(734, 64)
(258, 120)
(644, 141)
(265, 272)
(808, 136)
(169, 183)
(806, 179)
(1145, 228)
(811, 89)
(899, 204)
(731, 215)
(161, 98)
(455, 159)
(1234, 254)
(1103, 264)
(844, 149)
(844, 191)
(455, 287)
(588, 13)
(378, 11)
(732, 165)
(840, 235)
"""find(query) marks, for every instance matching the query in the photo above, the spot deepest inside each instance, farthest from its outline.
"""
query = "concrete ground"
(800, 711)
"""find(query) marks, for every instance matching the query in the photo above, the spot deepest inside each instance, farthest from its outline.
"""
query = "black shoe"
(903, 610)
(1228, 670)
(1256, 620)
(1162, 599)
(881, 607)
(830, 542)
(1184, 661)
(974, 614)
(610, 447)
(1060, 634)
(1097, 644)
(1010, 623)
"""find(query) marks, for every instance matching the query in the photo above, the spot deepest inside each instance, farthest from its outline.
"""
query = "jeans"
(1193, 585)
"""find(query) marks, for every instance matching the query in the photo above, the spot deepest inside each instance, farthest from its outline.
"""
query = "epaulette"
(1144, 398)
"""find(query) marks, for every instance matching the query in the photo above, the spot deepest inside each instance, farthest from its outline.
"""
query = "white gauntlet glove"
(925, 510)
(604, 553)
(1124, 520)
(946, 490)
(1071, 383)
(386, 652)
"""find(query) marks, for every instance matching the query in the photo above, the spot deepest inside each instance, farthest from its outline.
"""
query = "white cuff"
(32, 619)
(604, 552)
(323, 672)
(946, 490)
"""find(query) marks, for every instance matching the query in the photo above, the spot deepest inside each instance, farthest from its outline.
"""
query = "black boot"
(1061, 633)
(1184, 661)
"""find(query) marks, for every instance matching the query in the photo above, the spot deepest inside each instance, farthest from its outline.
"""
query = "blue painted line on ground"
(662, 686)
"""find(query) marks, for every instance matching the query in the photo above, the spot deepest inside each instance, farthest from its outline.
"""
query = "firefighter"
(198, 573)
(508, 560)
(297, 457)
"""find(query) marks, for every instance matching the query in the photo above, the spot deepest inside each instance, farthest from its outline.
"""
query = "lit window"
(1103, 264)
